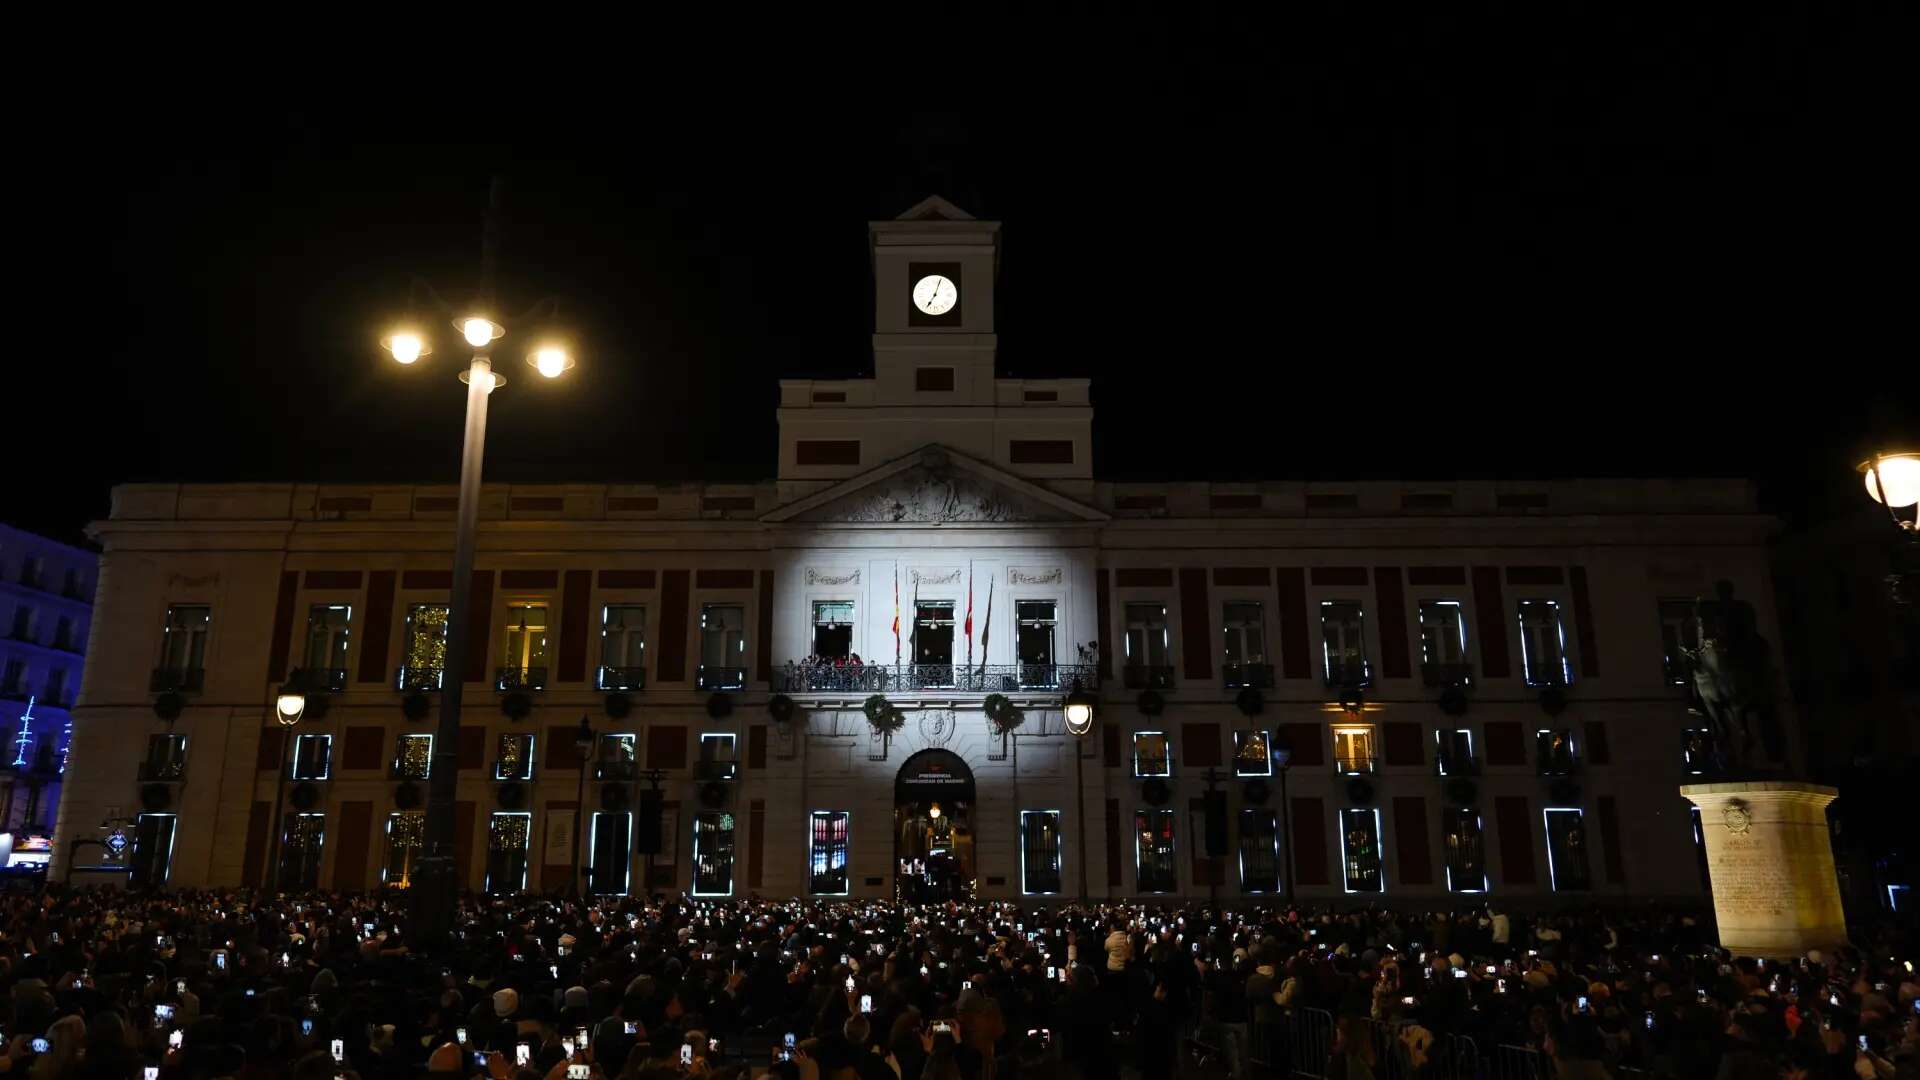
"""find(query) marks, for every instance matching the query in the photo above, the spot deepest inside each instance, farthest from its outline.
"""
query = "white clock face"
(935, 295)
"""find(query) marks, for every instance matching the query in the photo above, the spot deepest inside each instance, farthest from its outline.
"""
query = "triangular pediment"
(935, 486)
(934, 208)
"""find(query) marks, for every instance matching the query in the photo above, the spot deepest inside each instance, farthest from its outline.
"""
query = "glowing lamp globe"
(406, 347)
(1900, 475)
(1079, 711)
(478, 331)
(288, 707)
(934, 811)
(551, 361)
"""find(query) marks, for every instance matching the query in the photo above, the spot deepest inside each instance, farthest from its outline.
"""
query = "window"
(1555, 752)
(426, 651)
(833, 629)
(1453, 752)
(933, 379)
(63, 633)
(1360, 845)
(1259, 851)
(1679, 635)
(1443, 642)
(22, 623)
(1353, 749)
(11, 683)
(524, 665)
(827, 853)
(1154, 868)
(32, 568)
(55, 692)
(406, 839)
(1252, 753)
(514, 760)
(183, 641)
(1466, 850)
(1543, 644)
(1146, 646)
(1343, 643)
(152, 861)
(618, 760)
(1246, 661)
(70, 585)
(716, 757)
(1567, 849)
(933, 636)
(326, 655)
(312, 757)
(723, 647)
(300, 849)
(623, 647)
(166, 758)
(1150, 756)
(1700, 752)
(1034, 638)
(507, 836)
(609, 862)
(713, 853)
(1039, 852)
(413, 757)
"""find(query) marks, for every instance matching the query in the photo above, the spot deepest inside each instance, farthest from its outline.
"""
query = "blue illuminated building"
(46, 608)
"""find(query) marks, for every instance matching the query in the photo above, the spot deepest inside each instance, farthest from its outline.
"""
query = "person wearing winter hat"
(506, 1002)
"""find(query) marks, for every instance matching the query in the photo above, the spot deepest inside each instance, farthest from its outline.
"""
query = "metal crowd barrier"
(1301, 1043)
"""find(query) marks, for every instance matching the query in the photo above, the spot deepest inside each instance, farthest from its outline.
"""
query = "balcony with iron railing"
(319, 680)
(417, 678)
(711, 677)
(176, 680)
(1436, 674)
(509, 679)
(916, 678)
(1245, 676)
(1450, 764)
(1146, 676)
(1349, 673)
(1554, 756)
(1548, 676)
(709, 769)
(512, 770)
(1356, 764)
(621, 678)
(618, 769)
(400, 769)
(1700, 753)
(14, 691)
(163, 770)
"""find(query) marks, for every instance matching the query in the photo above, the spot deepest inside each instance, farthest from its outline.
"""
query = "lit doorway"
(933, 829)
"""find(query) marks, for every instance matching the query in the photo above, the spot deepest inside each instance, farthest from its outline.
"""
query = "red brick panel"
(1110, 736)
(1535, 575)
(763, 628)
(1513, 821)
(464, 813)
(561, 751)
(1309, 844)
(1240, 577)
(756, 840)
(757, 746)
(1296, 658)
(1410, 840)
(1506, 742)
(1436, 575)
(1200, 745)
(354, 841)
(1610, 855)
(626, 579)
(670, 659)
(1309, 744)
(1404, 745)
(1196, 637)
(1113, 843)
(575, 627)
(1339, 575)
(1583, 624)
(273, 749)
(1143, 577)
(1391, 598)
(1103, 610)
(723, 579)
(427, 579)
(376, 627)
(1491, 617)
(667, 746)
(259, 828)
(332, 579)
(473, 747)
(282, 641)
(479, 627)
(1598, 752)
(362, 748)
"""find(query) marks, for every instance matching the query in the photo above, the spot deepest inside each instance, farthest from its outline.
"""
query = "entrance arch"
(933, 837)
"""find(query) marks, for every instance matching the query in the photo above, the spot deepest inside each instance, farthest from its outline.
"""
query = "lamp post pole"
(584, 742)
(1080, 810)
(1286, 829)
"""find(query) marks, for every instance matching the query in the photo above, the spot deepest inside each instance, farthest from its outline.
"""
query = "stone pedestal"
(1770, 857)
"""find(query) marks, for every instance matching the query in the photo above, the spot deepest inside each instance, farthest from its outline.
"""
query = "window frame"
(1443, 751)
(1026, 855)
(1146, 823)
(1456, 815)
(400, 755)
(728, 830)
(1553, 866)
(1128, 626)
(1240, 740)
(1371, 814)
(173, 841)
(1235, 630)
(411, 865)
(325, 738)
(197, 638)
(287, 848)
(820, 851)
(1166, 743)
(531, 750)
(593, 854)
(337, 639)
(525, 851)
(1273, 833)
(1345, 675)
(1676, 670)
(627, 636)
(410, 632)
(1349, 764)
(1563, 676)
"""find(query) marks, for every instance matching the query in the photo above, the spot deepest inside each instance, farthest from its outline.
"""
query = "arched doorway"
(933, 856)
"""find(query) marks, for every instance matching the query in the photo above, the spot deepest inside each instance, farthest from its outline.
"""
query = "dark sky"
(1577, 246)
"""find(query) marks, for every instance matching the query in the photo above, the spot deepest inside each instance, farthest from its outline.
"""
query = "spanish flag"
(896, 614)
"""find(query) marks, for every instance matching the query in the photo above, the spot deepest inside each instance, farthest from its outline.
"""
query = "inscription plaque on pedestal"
(1770, 859)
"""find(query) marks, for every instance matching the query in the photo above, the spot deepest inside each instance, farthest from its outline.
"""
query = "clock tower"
(933, 271)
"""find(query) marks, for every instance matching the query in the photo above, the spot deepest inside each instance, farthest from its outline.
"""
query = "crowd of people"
(189, 985)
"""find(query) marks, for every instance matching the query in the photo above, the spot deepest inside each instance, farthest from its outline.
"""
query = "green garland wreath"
(1002, 713)
(882, 715)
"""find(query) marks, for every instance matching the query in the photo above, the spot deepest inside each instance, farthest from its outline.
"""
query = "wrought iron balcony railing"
(615, 770)
(716, 770)
(622, 678)
(401, 770)
(1545, 678)
(916, 678)
(1348, 673)
(417, 678)
(1438, 674)
(1450, 764)
(719, 678)
(1147, 676)
(512, 770)
(1700, 753)
(176, 680)
(519, 678)
(163, 770)
(315, 680)
(1356, 764)
(1242, 676)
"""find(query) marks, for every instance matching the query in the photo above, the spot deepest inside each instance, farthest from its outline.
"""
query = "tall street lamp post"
(1282, 761)
(1079, 713)
(1893, 481)
(288, 706)
(583, 742)
(435, 887)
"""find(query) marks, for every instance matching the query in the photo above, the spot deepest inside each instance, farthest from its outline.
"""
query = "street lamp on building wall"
(1080, 709)
(289, 705)
(583, 743)
(1893, 481)
(434, 886)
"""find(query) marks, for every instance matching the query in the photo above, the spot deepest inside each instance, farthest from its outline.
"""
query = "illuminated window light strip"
(822, 860)
(173, 837)
(593, 849)
(696, 858)
(1546, 823)
(1380, 856)
(1025, 887)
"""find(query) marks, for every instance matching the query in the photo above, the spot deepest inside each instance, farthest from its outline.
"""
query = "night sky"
(1401, 250)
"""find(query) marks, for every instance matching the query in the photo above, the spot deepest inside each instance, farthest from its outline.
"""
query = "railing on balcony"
(1700, 753)
(512, 770)
(1553, 754)
(914, 678)
(63, 642)
(622, 678)
(1449, 764)
(1241, 676)
(1546, 678)
(1348, 673)
(74, 592)
(417, 678)
(1147, 676)
(13, 691)
(404, 770)
(705, 770)
(719, 678)
(173, 680)
(520, 678)
(615, 770)
(1438, 674)
(316, 680)
(166, 770)
(1356, 764)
